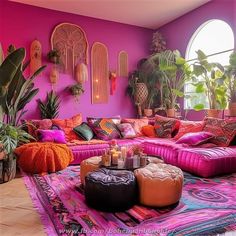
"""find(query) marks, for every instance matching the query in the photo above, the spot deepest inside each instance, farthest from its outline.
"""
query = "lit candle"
(115, 157)
(123, 152)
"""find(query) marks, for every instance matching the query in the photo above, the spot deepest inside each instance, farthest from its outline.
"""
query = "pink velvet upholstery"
(207, 162)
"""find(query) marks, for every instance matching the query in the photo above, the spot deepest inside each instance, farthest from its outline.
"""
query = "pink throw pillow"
(194, 139)
(127, 130)
(57, 136)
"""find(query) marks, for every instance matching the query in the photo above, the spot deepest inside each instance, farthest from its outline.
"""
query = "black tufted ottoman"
(110, 190)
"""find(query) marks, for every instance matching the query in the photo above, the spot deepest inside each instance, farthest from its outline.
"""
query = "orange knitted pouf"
(43, 157)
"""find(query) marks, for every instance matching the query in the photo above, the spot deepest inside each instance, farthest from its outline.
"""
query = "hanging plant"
(158, 43)
(76, 90)
(54, 56)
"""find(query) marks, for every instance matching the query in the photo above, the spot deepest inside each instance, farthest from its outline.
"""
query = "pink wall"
(179, 32)
(21, 24)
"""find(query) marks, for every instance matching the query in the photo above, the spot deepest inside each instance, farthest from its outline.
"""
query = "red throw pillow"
(224, 130)
(149, 131)
(189, 126)
(165, 126)
(67, 126)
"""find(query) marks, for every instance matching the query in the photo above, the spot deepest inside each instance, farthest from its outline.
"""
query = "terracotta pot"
(213, 113)
(170, 112)
(147, 112)
(232, 109)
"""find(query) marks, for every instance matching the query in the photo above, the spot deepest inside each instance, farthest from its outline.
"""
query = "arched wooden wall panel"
(100, 73)
(123, 64)
(70, 40)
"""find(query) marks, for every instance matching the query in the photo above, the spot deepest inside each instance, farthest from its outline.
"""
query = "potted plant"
(173, 72)
(209, 78)
(54, 56)
(230, 82)
(76, 90)
(10, 138)
(49, 109)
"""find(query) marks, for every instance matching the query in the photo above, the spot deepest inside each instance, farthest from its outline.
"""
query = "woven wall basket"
(141, 93)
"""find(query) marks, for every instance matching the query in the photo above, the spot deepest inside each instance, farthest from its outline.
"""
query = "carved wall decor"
(1, 54)
(35, 56)
(71, 42)
(123, 64)
(100, 73)
(54, 76)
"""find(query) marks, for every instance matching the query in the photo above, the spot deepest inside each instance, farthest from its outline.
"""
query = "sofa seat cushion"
(207, 162)
(167, 149)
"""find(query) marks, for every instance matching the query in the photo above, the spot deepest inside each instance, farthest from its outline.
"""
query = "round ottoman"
(89, 165)
(159, 184)
(43, 157)
(110, 190)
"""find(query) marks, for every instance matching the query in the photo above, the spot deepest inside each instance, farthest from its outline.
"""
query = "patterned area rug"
(207, 207)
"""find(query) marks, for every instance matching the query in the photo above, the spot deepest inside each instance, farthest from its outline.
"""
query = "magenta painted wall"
(179, 32)
(21, 24)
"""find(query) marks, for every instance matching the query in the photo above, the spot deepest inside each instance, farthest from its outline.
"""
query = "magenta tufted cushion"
(56, 136)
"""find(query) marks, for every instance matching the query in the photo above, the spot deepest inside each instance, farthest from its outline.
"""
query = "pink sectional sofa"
(204, 162)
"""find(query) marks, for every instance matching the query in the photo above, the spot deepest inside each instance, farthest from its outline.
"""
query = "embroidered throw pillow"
(149, 131)
(165, 126)
(194, 139)
(84, 131)
(137, 124)
(224, 130)
(33, 126)
(189, 126)
(56, 136)
(104, 128)
(67, 126)
(127, 130)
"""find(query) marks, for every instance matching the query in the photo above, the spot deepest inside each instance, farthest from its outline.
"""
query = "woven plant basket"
(141, 93)
(7, 168)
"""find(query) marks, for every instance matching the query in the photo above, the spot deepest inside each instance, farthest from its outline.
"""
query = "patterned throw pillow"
(34, 125)
(104, 128)
(149, 131)
(137, 124)
(189, 126)
(165, 126)
(127, 130)
(56, 136)
(67, 126)
(194, 139)
(224, 130)
(84, 131)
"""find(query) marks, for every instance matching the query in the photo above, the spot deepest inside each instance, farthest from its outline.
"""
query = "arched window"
(212, 37)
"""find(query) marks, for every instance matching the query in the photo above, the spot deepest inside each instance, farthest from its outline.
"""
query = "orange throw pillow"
(137, 124)
(189, 127)
(149, 131)
(67, 126)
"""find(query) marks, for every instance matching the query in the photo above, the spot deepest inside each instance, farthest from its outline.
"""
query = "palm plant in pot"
(15, 93)
(209, 78)
(230, 82)
(173, 71)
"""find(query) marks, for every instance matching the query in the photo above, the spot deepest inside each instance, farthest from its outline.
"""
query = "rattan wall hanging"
(100, 73)
(123, 64)
(71, 42)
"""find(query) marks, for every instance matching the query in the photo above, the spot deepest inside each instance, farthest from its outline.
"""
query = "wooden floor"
(17, 215)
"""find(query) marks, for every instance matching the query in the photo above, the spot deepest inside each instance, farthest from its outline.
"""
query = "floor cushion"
(43, 157)
(159, 184)
(110, 190)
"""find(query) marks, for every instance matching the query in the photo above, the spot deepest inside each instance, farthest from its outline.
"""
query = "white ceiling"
(145, 13)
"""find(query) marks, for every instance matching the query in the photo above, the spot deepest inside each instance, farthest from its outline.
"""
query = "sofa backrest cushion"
(84, 131)
(126, 130)
(149, 131)
(137, 124)
(56, 136)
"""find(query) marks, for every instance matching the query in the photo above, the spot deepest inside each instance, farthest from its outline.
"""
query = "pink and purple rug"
(207, 207)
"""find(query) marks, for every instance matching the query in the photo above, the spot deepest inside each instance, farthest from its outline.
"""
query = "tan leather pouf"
(159, 184)
(88, 165)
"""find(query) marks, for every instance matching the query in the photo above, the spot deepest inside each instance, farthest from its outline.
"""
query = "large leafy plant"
(49, 109)
(15, 90)
(173, 72)
(209, 78)
(230, 81)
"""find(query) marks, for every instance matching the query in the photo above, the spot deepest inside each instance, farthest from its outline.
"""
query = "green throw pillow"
(84, 131)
